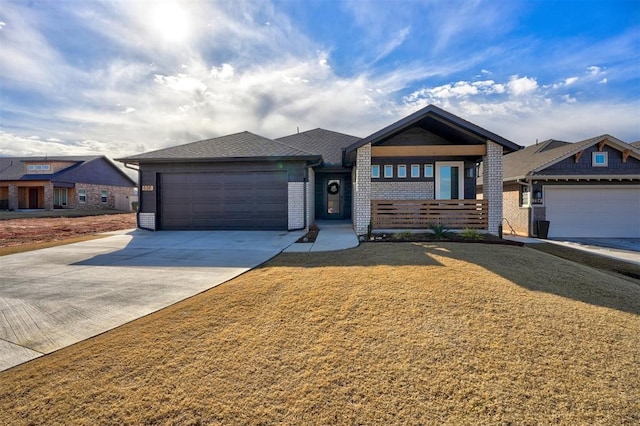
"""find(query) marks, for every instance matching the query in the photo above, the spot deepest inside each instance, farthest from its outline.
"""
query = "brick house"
(584, 189)
(417, 171)
(65, 182)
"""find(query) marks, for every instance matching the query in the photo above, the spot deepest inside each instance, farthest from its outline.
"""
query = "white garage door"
(593, 211)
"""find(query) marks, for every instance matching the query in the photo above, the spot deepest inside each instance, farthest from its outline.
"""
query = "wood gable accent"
(577, 156)
(625, 155)
(428, 150)
(602, 143)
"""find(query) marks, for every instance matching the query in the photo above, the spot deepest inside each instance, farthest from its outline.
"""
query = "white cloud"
(224, 72)
(568, 99)
(594, 70)
(603, 81)
(569, 81)
(2, 24)
(395, 41)
(519, 86)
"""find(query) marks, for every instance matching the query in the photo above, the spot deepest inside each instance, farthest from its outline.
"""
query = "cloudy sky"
(123, 77)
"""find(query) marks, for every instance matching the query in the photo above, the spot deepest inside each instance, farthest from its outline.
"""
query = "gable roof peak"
(435, 117)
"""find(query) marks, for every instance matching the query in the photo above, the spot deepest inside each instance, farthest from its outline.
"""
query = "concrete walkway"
(333, 235)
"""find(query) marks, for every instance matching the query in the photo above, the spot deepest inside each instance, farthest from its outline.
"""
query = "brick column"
(362, 190)
(13, 196)
(296, 205)
(48, 196)
(492, 184)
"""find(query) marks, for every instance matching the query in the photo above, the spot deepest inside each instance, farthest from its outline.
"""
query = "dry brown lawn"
(390, 333)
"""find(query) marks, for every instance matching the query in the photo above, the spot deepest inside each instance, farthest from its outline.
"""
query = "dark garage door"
(249, 200)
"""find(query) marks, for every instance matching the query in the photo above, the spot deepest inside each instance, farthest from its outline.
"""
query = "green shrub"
(439, 231)
(471, 234)
(403, 235)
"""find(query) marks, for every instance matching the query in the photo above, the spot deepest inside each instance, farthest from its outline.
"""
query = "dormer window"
(599, 159)
(39, 167)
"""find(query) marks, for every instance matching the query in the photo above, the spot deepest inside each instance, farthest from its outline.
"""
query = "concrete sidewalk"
(333, 235)
(630, 256)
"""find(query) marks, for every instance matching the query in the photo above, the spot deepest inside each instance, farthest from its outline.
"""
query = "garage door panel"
(252, 200)
(593, 211)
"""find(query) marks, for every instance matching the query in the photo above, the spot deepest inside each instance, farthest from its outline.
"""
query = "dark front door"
(33, 198)
(334, 198)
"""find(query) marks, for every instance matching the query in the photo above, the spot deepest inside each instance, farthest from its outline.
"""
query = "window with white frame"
(82, 195)
(599, 159)
(104, 196)
(402, 170)
(375, 171)
(415, 170)
(388, 171)
(428, 170)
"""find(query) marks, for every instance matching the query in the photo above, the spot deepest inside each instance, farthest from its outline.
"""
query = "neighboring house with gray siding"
(417, 171)
(589, 188)
(65, 182)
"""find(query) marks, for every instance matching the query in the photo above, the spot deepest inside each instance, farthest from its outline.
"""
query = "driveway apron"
(55, 297)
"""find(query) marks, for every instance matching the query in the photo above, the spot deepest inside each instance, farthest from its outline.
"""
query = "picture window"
(375, 171)
(428, 170)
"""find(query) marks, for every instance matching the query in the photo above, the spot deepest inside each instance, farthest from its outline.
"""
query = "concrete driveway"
(55, 297)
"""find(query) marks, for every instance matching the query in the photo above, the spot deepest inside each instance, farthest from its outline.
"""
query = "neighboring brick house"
(66, 182)
(589, 188)
(418, 171)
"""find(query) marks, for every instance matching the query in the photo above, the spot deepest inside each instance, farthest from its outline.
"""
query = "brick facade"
(492, 184)
(402, 190)
(296, 205)
(362, 190)
(516, 217)
(147, 221)
(94, 196)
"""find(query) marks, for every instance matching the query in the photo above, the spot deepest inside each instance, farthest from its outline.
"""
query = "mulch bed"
(429, 237)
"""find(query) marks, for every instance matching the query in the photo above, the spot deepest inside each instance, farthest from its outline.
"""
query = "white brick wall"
(147, 220)
(296, 205)
(402, 190)
(492, 184)
(362, 190)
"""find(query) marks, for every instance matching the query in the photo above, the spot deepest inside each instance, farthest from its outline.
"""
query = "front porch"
(421, 214)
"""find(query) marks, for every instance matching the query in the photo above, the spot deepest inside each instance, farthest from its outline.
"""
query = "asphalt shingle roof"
(323, 142)
(521, 163)
(238, 145)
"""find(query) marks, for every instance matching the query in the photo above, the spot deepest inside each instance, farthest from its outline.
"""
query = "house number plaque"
(147, 187)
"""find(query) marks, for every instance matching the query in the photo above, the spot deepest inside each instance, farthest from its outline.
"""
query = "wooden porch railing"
(416, 214)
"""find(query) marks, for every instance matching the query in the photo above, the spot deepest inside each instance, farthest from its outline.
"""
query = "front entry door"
(449, 180)
(334, 199)
(33, 198)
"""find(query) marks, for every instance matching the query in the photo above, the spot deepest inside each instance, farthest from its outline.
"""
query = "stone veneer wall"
(402, 191)
(362, 190)
(492, 184)
(94, 196)
(516, 217)
(296, 205)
